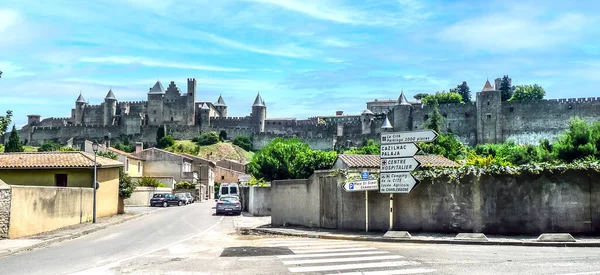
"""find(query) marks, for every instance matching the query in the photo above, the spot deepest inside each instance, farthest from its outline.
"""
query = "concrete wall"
(40, 209)
(45, 177)
(295, 202)
(107, 196)
(259, 201)
(4, 209)
(141, 195)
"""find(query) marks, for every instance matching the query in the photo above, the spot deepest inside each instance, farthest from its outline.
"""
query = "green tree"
(243, 142)
(463, 90)
(126, 186)
(576, 142)
(14, 144)
(48, 147)
(124, 147)
(528, 93)
(370, 147)
(442, 98)
(306, 162)
(160, 133)
(166, 141)
(5, 121)
(448, 144)
(207, 138)
(436, 120)
(108, 154)
(420, 96)
(506, 91)
(222, 135)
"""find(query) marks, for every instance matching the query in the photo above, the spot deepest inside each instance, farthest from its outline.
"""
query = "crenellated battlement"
(575, 100)
(230, 118)
(132, 102)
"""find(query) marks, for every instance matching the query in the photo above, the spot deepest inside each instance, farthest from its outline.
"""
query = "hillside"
(215, 152)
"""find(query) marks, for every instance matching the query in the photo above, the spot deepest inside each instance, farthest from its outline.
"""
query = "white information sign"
(399, 150)
(404, 137)
(397, 183)
(361, 185)
(399, 165)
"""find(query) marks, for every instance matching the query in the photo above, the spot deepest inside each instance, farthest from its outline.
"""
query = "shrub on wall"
(185, 185)
(49, 147)
(150, 182)
(165, 142)
(207, 138)
(243, 142)
(108, 154)
(442, 98)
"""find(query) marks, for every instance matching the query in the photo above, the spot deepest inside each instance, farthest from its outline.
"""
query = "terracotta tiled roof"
(199, 158)
(487, 86)
(54, 160)
(373, 161)
(129, 155)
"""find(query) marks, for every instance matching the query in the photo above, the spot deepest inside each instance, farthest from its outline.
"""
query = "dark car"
(229, 204)
(165, 200)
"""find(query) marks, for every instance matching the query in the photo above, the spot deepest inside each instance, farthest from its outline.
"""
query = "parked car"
(184, 198)
(190, 197)
(229, 204)
(165, 199)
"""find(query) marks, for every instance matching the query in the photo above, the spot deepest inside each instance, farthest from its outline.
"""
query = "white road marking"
(583, 273)
(331, 254)
(304, 244)
(276, 240)
(390, 272)
(105, 269)
(341, 260)
(350, 266)
(326, 247)
(334, 250)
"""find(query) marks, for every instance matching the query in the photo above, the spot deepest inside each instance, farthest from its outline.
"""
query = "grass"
(219, 151)
(26, 148)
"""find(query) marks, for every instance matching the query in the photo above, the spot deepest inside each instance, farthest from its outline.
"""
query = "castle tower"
(110, 108)
(204, 118)
(191, 101)
(366, 120)
(155, 104)
(78, 112)
(489, 104)
(259, 114)
(221, 106)
(386, 126)
(402, 114)
(33, 119)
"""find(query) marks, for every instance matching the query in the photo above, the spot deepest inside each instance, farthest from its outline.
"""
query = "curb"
(461, 242)
(72, 236)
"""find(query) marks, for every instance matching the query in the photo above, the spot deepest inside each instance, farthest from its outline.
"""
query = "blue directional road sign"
(364, 175)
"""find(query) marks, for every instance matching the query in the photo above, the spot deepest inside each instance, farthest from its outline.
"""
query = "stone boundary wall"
(5, 196)
(141, 195)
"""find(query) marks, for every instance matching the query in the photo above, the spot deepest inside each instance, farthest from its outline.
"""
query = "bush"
(369, 148)
(68, 149)
(185, 185)
(165, 142)
(150, 182)
(108, 154)
(49, 147)
(489, 160)
(528, 93)
(446, 145)
(222, 135)
(579, 142)
(243, 142)
(125, 148)
(207, 138)
(257, 182)
(442, 98)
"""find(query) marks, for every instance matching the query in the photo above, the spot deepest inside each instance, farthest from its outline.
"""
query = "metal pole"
(94, 186)
(366, 211)
(391, 211)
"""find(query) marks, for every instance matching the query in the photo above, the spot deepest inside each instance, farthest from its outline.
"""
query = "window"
(488, 103)
(489, 116)
(139, 167)
(222, 177)
(155, 112)
(467, 114)
(171, 118)
(445, 115)
(60, 180)
(511, 109)
(127, 166)
(426, 117)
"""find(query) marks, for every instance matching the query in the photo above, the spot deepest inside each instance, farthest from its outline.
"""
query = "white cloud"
(10, 70)
(334, 60)
(155, 63)
(8, 18)
(288, 50)
(336, 42)
(515, 30)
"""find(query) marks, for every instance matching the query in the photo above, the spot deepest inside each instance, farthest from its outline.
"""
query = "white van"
(230, 189)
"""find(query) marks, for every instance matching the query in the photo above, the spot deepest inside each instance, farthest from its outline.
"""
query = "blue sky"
(307, 58)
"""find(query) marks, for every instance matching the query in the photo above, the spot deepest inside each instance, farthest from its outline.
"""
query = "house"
(134, 165)
(372, 163)
(206, 177)
(50, 190)
(161, 163)
(233, 165)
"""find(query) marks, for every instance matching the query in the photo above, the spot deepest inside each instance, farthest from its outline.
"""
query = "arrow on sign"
(399, 165)
(397, 183)
(403, 137)
(399, 150)
(360, 185)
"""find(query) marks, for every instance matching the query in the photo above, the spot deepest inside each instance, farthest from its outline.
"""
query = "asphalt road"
(191, 240)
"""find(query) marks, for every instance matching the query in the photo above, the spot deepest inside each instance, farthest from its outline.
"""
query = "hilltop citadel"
(487, 120)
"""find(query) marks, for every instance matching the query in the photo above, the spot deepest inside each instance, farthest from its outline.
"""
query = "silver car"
(229, 204)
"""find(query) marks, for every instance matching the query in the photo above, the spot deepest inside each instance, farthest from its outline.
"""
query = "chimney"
(139, 147)
(339, 113)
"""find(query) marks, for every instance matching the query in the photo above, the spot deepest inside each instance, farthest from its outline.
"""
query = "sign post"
(397, 161)
(366, 183)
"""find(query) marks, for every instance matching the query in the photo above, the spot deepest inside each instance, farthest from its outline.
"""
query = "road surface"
(191, 240)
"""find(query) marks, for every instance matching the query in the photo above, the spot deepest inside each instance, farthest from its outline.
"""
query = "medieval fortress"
(487, 120)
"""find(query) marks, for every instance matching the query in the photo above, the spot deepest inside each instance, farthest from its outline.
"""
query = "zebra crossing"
(318, 256)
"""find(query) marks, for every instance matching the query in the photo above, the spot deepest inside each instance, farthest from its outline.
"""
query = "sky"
(307, 58)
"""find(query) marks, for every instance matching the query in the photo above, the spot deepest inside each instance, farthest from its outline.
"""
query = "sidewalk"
(11, 246)
(248, 224)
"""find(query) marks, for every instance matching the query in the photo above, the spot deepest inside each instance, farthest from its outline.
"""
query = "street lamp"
(94, 185)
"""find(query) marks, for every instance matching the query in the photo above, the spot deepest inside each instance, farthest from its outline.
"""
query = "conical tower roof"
(386, 124)
(220, 101)
(367, 112)
(204, 106)
(487, 86)
(80, 99)
(258, 101)
(110, 95)
(157, 88)
(402, 100)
